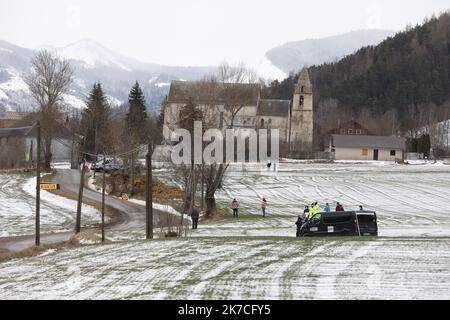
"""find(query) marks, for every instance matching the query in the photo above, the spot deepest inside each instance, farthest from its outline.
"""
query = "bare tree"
(49, 79)
(235, 95)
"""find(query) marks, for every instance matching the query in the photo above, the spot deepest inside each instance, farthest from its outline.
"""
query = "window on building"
(392, 152)
(350, 131)
(270, 121)
(301, 89)
(262, 123)
(221, 120)
(302, 99)
(365, 152)
(358, 131)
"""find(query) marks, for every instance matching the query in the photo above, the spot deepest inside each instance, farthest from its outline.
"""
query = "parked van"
(342, 223)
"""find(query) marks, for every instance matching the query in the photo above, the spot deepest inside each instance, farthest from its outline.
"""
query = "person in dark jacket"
(339, 207)
(194, 216)
(300, 220)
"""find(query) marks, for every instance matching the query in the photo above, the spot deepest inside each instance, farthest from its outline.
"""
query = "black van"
(342, 223)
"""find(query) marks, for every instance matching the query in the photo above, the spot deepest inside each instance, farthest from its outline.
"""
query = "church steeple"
(301, 117)
(303, 84)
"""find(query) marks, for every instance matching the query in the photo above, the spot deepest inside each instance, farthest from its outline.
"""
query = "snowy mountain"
(91, 62)
(293, 56)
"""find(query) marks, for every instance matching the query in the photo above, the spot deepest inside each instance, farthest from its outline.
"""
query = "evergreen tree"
(96, 121)
(137, 113)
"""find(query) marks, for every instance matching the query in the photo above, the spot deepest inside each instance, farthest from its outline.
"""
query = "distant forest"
(401, 84)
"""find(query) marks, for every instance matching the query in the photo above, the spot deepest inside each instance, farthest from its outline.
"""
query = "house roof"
(212, 92)
(360, 141)
(13, 115)
(351, 124)
(59, 130)
(268, 107)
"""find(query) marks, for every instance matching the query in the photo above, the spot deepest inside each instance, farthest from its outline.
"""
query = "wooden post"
(103, 199)
(38, 185)
(80, 197)
(203, 186)
(132, 175)
(148, 194)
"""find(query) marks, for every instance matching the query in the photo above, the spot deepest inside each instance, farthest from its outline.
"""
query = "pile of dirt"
(86, 237)
(6, 255)
(119, 183)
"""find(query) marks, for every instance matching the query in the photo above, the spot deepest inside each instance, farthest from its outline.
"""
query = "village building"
(18, 144)
(363, 147)
(293, 118)
(10, 118)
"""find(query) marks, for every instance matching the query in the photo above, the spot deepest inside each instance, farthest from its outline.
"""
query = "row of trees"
(113, 131)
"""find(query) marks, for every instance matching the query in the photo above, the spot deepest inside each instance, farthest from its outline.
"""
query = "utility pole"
(203, 186)
(80, 192)
(132, 174)
(148, 194)
(38, 185)
(103, 198)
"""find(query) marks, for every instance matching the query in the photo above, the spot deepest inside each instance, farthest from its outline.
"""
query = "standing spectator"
(234, 206)
(361, 208)
(327, 208)
(194, 216)
(339, 207)
(306, 211)
(299, 223)
(264, 206)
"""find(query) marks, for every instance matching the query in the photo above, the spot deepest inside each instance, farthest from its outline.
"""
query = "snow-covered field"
(17, 208)
(410, 200)
(220, 268)
(258, 258)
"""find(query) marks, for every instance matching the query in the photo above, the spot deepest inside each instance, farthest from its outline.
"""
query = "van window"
(337, 218)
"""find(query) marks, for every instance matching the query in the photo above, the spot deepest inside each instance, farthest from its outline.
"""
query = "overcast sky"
(199, 32)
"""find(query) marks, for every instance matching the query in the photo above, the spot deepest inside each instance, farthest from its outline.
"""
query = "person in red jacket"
(235, 206)
(263, 206)
(339, 207)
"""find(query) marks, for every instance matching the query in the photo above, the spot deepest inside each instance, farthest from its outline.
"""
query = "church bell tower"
(301, 115)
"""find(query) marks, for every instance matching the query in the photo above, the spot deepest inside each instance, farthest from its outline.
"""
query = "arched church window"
(262, 123)
(301, 100)
(301, 89)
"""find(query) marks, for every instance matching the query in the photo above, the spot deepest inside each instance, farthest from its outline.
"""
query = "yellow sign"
(49, 186)
(124, 196)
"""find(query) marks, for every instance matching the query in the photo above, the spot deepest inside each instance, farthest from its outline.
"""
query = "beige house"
(293, 118)
(362, 147)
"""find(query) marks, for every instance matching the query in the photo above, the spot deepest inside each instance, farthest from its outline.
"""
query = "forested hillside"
(405, 80)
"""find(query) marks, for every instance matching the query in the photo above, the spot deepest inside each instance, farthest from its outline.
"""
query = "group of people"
(235, 206)
(311, 214)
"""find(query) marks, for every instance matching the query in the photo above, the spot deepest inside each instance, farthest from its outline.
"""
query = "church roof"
(212, 92)
(269, 107)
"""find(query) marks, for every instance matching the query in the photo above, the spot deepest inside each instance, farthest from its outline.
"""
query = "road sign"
(49, 186)
(124, 196)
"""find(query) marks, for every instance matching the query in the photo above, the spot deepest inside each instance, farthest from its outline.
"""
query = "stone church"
(293, 118)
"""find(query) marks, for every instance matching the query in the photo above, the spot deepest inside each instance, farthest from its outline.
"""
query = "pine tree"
(137, 113)
(96, 120)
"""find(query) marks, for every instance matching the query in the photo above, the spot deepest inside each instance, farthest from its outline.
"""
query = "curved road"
(132, 215)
